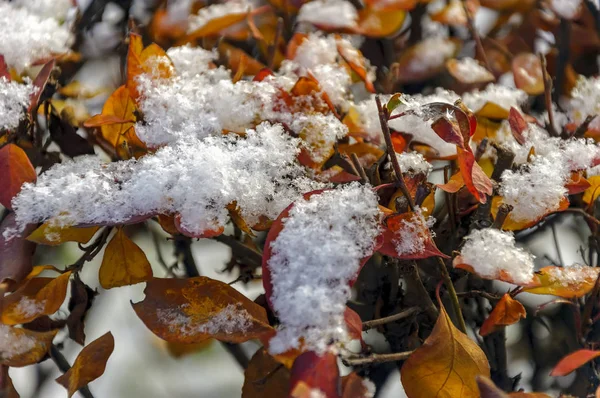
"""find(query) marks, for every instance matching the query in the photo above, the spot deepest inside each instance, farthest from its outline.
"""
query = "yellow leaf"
(591, 194)
(567, 282)
(124, 263)
(445, 365)
(54, 235)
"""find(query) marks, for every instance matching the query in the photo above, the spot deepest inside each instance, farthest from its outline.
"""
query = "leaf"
(591, 194)
(527, 72)
(317, 373)
(574, 361)
(391, 5)
(75, 89)
(120, 109)
(394, 102)
(140, 61)
(39, 83)
(353, 325)
(105, 120)
(124, 263)
(4, 72)
(476, 181)
(464, 75)
(237, 57)
(577, 184)
(511, 225)
(7, 389)
(379, 23)
(16, 253)
(488, 389)
(414, 65)
(37, 297)
(265, 377)
(209, 233)
(517, 125)
(506, 312)
(567, 282)
(54, 235)
(63, 131)
(357, 65)
(445, 365)
(80, 302)
(89, 364)
(22, 347)
(16, 170)
(193, 310)
(454, 184)
(353, 386)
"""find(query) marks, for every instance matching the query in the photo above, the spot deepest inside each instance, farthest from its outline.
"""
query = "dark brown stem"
(359, 169)
(503, 211)
(548, 97)
(62, 364)
(90, 251)
(453, 297)
(377, 358)
(476, 37)
(479, 293)
(583, 127)
(383, 120)
(414, 279)
(275, 44)
(392, 318)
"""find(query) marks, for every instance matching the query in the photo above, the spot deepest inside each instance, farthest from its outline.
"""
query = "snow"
(193, 60)
(195, 178)
(31, 37)
(14, 100)
(566, 8)
(412, 163)
(231, 319)
(314, 257)
(572, 275)
(330, 13)
(370, 388)
(14, 344)
(505, 97)
(215, 11)
(491, 252)
(57, 9)
(470, 71)
(431, 53)
(410, 237)
(585, 101)
(28, 307)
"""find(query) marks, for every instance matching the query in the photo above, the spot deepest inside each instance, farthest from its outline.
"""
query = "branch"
(392, 318)
(377, 358)
(477, 39)
(548, 97)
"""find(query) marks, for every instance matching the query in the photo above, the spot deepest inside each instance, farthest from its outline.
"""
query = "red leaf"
(16, 254)
(15, 169)
(354, 325)
(40, 83)
(4, 72)
(573, 361)
(477, 182)
(317, 373)
(517, 125)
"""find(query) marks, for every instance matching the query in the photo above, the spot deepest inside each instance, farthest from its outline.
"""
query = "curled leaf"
(506, 312)
(574, 361)
(567, 282)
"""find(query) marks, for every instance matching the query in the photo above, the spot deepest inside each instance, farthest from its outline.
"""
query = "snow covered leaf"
(591, 194)
(376, 23)
(265, 377)
(445, 365)
(313, 372)
(527, 72)
(124, 263)
(53, 235)
(16, 253)
(475, 179)
(468, 70)
(16, 170)
(193, 310)
(89, 364)
(22, 347)
(510, 224)
(215, 26)
(354, 386)
(506, 312)
(151, 60)
(425, 59)
(39, 85)
(238, 59)
(492, 254)
(37, 297)
(406, 236)
(574, 361)
(567, 282)
(354, 325)
(357, 65)
(207, 233)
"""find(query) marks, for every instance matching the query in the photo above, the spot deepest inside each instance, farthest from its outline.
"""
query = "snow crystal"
(28, 307)
(13, 344)
(322, 131)
(585, 101)
(315, 256)
(432, 53)
(413, 163)
(470, 71)
(14, 100)
(30, 37)
(331, 13)
(214, 11)
(195, 178)
(566, 8)
(410, 236)
(231, 319)
(193, 60)
(57, 9)
(491, 251)
(370, 388)
(572, 274)
(505, 97)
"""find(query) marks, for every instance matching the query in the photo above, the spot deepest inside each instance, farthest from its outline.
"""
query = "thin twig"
(62, 364)
(476, 37)
(359, 169)
(480, 293)
(275, 44)
(383, 120)
(556, 244)
(377, 358)
(548, 97)
(453, 297)
(414, 279)
(392, 318)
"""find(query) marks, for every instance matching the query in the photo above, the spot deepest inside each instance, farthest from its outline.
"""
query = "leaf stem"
(453, 296)
(377, 358)
(392, 318)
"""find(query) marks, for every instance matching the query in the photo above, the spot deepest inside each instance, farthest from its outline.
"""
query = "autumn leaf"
(445, 365)
(39, 83)
(265, 377)
(22, 347)
(414, 65)
(591, 194)
(476, 181)
(506, 312)
(89, 364)
(37, 297)
(454, 184)
(152, 60)
(464, 75)
(511, 225)
(124, 263)
(517, 125)
(353, 325)
(316, 372)
(16, 253)
(527, 72)
(208, 233)
(574, 361)
(577, 184)
(119, 109)
(16, 170)
(82, 297)
(193, 310)
(53, 235)
(488, 389)
(353, 386)
(567, 282)
(373, 22)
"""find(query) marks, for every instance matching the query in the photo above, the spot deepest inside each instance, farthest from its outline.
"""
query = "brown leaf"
(82, 297)
(353, 325)
(193, 310)
(445, 365)
(15, 169)
(63, 131)
(517, 125)
(16, 253)
(37, 297)
(506, 312)
(89, 364)
(574, 361)
(124, 263)
(314, 372)
(567, 282)
(54, 235)
(39, 83)
(265, 377)
(22, 347)
(527, 72)
(353, 386)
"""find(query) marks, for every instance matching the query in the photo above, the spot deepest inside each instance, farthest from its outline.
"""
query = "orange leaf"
(22, 347)
(118, 106)
(591, 194)
(16, 170)
(527, 72)
(167, 222)
(353, 386)
(209, 233)
(39, 83)
(464, 73)
(379, 23)
(196, 309)
(445, 365)
(511, 225)
(54, 235)
(152, 60)
(353, 325)
(89, 364)
(577, 184)
(567, 282)
(314, 372)
(124, 263)
(488, 389)
(391, 5)
(105, 120)
(37, 297)
(216, 25)
(236, 216)
(573, 361)
(237, 57)
(265, 377)
(454, 184)
(517, 125)
(506, 312)
(476, 181)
